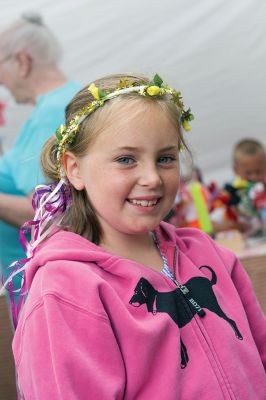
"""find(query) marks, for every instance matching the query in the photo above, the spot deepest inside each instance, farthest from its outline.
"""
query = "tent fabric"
(213, 51)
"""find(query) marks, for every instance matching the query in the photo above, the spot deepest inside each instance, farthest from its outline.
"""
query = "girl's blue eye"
(166, 159)
(125, 160)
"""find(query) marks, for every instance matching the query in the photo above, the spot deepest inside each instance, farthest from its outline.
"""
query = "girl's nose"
(149, 176)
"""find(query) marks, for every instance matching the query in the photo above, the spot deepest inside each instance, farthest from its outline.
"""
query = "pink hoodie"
(97, 326)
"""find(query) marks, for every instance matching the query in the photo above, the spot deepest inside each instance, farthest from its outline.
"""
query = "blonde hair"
(247, 147)
(81, 217)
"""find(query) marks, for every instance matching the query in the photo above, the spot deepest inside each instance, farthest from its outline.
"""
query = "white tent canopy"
(214, 51)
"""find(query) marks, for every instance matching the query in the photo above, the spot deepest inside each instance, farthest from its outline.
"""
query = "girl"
(121, 305)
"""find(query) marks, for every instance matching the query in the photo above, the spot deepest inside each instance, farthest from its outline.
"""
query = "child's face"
(251, 167)
(131, 171)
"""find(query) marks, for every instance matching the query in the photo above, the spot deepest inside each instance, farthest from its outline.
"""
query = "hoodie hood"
(68, 246)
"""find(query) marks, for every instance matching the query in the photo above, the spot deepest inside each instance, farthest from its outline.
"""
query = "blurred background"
(212, 50)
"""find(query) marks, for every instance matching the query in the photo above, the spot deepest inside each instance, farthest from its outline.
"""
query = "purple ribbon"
(50, 203)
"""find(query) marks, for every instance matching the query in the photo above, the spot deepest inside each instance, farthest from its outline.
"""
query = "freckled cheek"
(172, 181)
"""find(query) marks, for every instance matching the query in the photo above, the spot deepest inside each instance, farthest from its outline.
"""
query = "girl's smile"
(145, 202)
(145, 205)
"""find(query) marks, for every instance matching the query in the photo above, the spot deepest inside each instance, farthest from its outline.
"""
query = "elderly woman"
(29, 56)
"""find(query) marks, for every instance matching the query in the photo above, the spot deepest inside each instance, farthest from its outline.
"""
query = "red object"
(258, 195)
(220, 198)
(2, 118)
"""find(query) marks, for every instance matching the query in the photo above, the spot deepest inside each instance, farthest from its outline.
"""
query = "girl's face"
(131, 170)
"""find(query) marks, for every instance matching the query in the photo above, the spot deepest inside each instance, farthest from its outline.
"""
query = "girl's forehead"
(136, 123)
(142, 114)
(124, 107)
(136, 111)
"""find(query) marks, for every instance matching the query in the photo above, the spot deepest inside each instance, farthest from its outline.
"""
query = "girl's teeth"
(143, 203)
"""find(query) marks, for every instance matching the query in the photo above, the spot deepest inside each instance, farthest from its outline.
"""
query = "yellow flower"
(186, 125)
(240, 183)
(94, 91)
(153, 90)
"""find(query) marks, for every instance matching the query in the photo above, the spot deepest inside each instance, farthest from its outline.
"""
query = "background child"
(120, 305)
(249, 163)
(249, 160)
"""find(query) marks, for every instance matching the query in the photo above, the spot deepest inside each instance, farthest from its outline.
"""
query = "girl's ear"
(72, 169)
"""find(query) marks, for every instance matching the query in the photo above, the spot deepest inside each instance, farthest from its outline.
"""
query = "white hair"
(29, 33)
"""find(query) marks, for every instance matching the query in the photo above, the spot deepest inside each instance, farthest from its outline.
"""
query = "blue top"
(20, 169)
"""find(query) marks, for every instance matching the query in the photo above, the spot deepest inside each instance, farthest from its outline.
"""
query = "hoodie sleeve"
(255, 316)
(65, 352)
(243, 285)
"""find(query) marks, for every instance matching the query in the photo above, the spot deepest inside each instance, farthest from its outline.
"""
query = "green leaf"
(102, 93)
(157, 80)
(58, 135)
(189, 115)
(59, 132)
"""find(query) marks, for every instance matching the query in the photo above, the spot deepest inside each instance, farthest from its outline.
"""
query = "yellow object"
(94, 91)
(201, 207)
(240, 183)
(186, 126)
(153, 90)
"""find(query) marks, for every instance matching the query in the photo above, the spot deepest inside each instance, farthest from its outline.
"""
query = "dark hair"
(247, 147)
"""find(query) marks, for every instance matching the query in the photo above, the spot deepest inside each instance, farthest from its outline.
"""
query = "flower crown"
(66, 134)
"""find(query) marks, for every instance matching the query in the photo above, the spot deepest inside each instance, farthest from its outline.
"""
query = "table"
(256, 269)
(7, 370)
(252, 254)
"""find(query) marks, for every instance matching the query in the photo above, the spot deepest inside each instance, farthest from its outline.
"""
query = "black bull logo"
(172, 303)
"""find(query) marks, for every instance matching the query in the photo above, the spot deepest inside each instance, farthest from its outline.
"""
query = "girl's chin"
(144, 229)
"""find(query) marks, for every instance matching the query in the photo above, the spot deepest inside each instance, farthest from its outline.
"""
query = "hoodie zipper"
(192, 303)
(201, 314)
(186, 292)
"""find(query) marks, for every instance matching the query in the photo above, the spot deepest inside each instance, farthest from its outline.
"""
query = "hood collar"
(64, 245)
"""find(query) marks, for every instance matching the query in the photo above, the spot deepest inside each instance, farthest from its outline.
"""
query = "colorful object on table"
(201, 206)
(239, 197)
(240, 183)
(219, 204)
(191, 208)
(257, 194)
(237, 190)
(246, 200)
